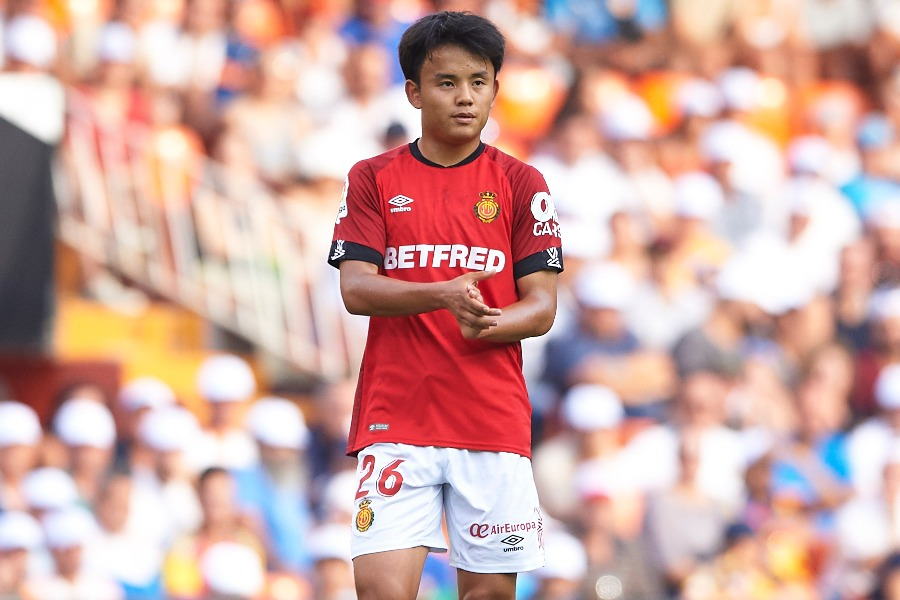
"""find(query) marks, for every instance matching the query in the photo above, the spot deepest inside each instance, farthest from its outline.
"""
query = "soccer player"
(453, 249)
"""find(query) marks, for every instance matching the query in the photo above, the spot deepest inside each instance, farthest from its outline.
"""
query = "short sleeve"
(359, 227)
(536, 236)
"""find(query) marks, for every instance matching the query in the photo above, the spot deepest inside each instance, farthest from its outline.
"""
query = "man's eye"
(445, 83)
(480, 82)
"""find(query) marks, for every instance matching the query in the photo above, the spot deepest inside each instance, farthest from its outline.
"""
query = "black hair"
(209, 473)
(474, 34)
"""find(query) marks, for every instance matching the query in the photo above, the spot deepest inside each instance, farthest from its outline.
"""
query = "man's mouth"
(464, 117)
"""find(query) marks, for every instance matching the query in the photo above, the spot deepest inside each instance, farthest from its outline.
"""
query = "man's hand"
(464, 301)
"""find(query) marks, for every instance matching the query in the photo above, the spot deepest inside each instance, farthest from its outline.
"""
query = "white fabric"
(234, 449)
(233, 569)
(490, 502)
(868, 448)
(34, 102)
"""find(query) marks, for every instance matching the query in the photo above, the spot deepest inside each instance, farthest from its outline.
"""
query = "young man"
(453, 249)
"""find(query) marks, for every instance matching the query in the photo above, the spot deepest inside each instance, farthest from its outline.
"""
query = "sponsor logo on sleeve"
(342, 208)
(553, 258)
(338, 250)
(546, 219)
(400, 203)
(487, 209)
(365, 516)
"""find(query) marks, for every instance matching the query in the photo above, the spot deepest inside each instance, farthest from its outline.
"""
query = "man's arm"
(366, 292)
(530, 316)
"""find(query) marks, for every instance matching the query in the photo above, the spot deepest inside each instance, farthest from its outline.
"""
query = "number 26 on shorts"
(389, 481)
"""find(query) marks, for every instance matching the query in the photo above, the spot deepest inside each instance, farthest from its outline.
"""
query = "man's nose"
(465, 96)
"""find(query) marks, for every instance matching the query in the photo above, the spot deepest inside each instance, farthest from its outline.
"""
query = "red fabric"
(421, 382)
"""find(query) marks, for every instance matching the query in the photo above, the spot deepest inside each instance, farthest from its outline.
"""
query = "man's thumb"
(479, 275)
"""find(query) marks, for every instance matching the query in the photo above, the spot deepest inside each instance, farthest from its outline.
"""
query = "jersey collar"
(417, 154)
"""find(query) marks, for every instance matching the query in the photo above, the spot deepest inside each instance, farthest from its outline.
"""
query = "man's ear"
(496, 89)
(413, 93)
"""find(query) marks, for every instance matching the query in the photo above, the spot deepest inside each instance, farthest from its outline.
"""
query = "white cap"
(605, 285)
(627, 118)
(117, 44)
(699, 98)
(804, 194)
(741, 87)
(885, 304)
(885, 214)
(810, 155)
(69, 527)
(19, 531)
(146, 392)
(49, 488)
(82, 422)
(887, 387)
(588, 407)
(724, 142)
(278, 422)
(31, 40)
(232, 569)
(169, 429)
(19, 425)
(737, 281)
(329, 541)
(565, 557)
(697, 195)
(339, 493)
(226, 378)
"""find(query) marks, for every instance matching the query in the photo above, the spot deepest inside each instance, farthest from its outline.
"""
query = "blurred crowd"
(717, 407)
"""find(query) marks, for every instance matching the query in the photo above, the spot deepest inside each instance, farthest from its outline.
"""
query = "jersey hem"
(356, 448)
(342, 250)
(549, 259)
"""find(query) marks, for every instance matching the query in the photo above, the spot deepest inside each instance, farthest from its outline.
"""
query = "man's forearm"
(530, 317)
(372, 294)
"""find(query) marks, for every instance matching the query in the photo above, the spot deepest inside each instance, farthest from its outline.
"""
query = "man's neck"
(445, 154)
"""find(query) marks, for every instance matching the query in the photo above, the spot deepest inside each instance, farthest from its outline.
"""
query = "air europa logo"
(435, 256)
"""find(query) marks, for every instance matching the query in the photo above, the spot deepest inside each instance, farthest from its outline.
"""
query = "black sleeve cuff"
(342, 250)
(546, 260)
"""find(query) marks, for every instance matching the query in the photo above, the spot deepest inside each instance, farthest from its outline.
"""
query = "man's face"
(456, 91)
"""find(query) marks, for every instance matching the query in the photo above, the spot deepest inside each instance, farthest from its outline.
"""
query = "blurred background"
(717, 407)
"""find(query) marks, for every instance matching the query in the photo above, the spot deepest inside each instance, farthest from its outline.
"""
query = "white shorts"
(494, 521)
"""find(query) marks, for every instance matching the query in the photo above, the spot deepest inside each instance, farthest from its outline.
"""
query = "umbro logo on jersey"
(400, 203)
(553, 258)
(512, 540)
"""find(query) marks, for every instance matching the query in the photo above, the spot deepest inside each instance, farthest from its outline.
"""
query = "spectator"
(20, 538)
(227, 383)
(277, 489)
(87, 429)
(685, 523)
(329, 547)
(68, 533)
(127, 553)
(601, 349)
(20, 434)
(222, 522)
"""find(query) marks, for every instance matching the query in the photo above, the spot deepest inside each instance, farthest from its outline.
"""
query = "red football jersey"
(421, 382)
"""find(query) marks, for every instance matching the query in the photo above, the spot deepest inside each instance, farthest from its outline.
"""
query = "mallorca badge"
(365, 516)
(487, 208)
